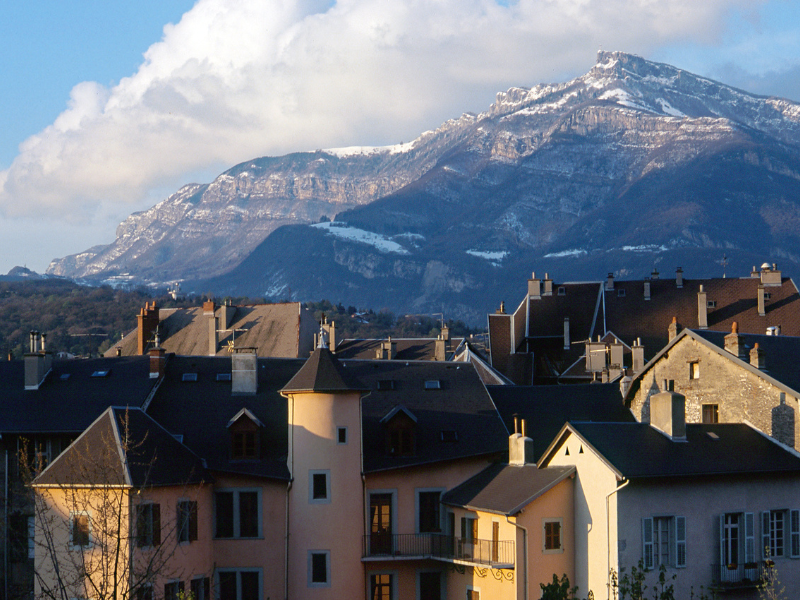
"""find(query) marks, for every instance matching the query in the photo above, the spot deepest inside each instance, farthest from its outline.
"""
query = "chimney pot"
(679, 278)
(158, 357)
(702, 308)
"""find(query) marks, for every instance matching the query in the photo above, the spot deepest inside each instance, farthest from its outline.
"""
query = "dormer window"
(433, 384)
(401, 430)
(245, 430)
(562, 291)
(387, 384)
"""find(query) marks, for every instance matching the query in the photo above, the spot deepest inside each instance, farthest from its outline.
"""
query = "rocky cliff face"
(632, 164)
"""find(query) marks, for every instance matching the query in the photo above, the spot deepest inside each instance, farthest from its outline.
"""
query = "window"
(148, 525)
(449, 435)
(710, 413)
(319, 568)
(620, 293)
(223, 377)
(319, 487)
(201, 589)
(144, 592)
(780, 531)
(430, 585)
(428, 511)
(237, 513)
(469, 536)
(562, 291)
(551, 536)
(711, 304)
(187, 521)
(387, 384)
(380, 586)
(173, 590)
(664, 542)
(737, 538)
(189, 377)
(694, 370)
(20, 537)
(244, 445)
(495, 541)
(242, 584)
(433, 384)
(473, 593)
(341, 435)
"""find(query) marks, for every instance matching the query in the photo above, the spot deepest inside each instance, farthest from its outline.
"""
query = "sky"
(106, 108)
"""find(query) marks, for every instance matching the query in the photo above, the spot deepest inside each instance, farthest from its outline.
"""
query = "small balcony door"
(380, 516)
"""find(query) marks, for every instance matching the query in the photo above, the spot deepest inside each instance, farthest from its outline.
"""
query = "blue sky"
(108, 107)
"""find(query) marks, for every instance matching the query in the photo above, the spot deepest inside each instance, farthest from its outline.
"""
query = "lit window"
(380, 585)
(710, 413)
(694, 370)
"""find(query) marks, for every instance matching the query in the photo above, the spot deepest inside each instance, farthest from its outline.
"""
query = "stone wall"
(740, 394)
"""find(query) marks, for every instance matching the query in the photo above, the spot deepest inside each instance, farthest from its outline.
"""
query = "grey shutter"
(794, 544)
(749, 537)
(765, 546)
(647, 543)
(680, 541)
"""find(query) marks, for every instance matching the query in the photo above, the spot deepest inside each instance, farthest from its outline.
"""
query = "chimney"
(647, 289)
(638, 355)
(146, 323)
(244, 371)
(439, 352)
(702, 308)
(209, 307)
(616, 367)
(757, 358)
(548, 285)
(679, 278)
(668, 414)
(610, 282)
(672, 330)
(734, 343)
(770, 275)
(38, 363)
(213, 334)
(226, 312)
(762, 311)
(158, 358)
(520, 446)
(534, 287)
(502, 309)
(566, 333)
(654, 274)
(119, 350)
(754, 272)
(595, 355)
(388, 349)
(445, 332)
(331, 329)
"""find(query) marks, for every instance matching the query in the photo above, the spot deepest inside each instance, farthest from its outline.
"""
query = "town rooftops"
(124, 447)
(323, 372)
(637, 450)
(404, 348)
(505, 489)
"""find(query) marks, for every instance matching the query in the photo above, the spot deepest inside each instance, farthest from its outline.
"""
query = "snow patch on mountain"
(368, 150)
(353, 234)
(563, 253)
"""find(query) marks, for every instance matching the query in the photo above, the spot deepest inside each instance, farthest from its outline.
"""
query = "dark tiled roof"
(546, 408)
(70, 399)
(323, 372)
(461, 405)
(405, 348)
(124, 447)
(580, 302)
(201, 410)
(505, 489)
(637, 450)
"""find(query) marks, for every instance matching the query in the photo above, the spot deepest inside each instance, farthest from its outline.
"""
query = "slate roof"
(124, 447)
(505, 489)
(546, 408)
(637, 450)
(405, 348)
(201, 410)
(323, 372)
(70, 399)
(273, 329)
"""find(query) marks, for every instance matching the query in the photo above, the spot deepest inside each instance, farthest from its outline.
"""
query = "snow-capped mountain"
(632, 164)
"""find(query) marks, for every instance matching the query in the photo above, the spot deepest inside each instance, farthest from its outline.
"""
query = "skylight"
(223, 376)
(189, 377)
(101, 373)
(433, 384)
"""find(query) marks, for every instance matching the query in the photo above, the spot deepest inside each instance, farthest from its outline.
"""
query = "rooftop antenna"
(724, 264)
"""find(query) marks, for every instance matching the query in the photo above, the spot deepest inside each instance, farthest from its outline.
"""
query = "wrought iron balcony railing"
(739, 575)
(439, 546)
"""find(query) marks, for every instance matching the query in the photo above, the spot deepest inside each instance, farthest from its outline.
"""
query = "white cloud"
(237, 79)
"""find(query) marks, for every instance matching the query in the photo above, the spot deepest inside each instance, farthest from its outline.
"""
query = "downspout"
(608, 535)
(524, 555)
(5, 525)
(363, 479)
(290, 398)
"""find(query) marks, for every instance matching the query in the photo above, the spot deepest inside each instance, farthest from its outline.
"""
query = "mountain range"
(632, 167)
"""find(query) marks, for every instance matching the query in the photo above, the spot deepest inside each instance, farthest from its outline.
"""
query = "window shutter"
(156, 524)
(765, 533)
(794, 548)
(680, 541)
(193, 521)
(749, 537)
(647, 543)
(722, 538)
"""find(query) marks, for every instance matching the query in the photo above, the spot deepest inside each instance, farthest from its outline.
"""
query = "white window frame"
(201, 578)
(310, 572)
(327, 474)
(676, 530)
(472, 588)
(560, 522)
(417, 492)
(237, 517)
(238, 571)
(790, 537)
(72, 516)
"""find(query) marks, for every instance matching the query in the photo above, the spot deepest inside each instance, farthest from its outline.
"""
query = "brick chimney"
(672, 330)
(158, 359)
(647, 289)
(637, 350)
(734, 343)
(244, 371)
(702, 308)
(758, 358)
(610, 282)
(146, 322)
(762, 309)
(520, 446)
(679, 278)
(548, 285)
(668, 414)
(38, 362)
(534, 287)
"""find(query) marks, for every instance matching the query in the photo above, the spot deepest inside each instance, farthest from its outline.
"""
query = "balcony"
(738, 576)
(438, 546)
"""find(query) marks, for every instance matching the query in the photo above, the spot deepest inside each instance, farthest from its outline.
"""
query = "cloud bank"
(237, 79)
